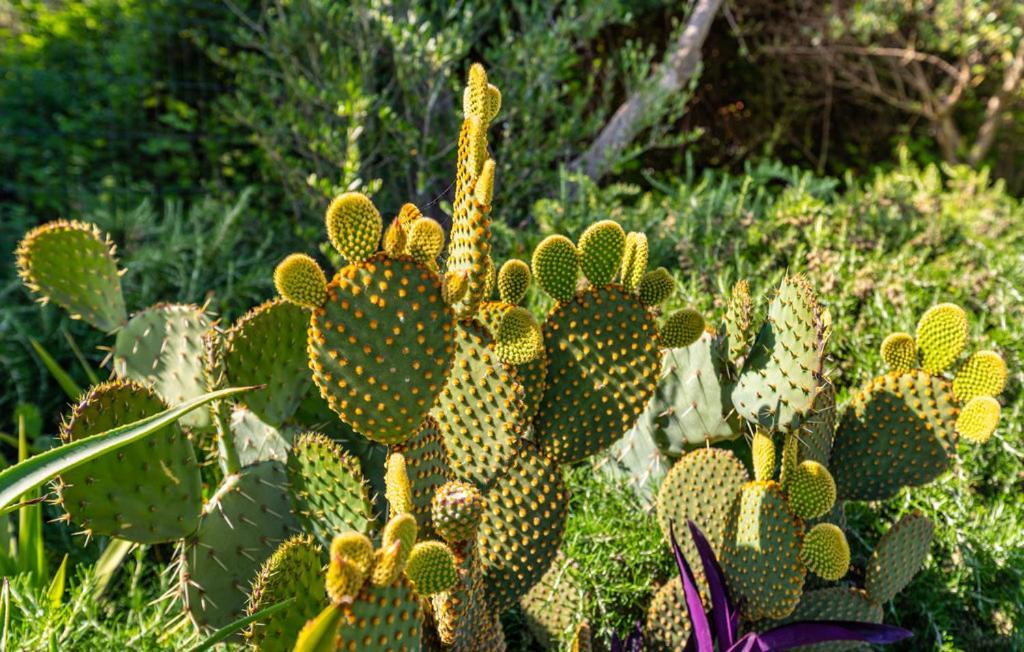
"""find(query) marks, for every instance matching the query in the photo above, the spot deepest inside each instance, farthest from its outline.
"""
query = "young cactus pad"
(293, 571)
(897, 557)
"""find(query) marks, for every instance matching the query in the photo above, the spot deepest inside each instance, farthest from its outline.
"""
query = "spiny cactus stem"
(228, 452)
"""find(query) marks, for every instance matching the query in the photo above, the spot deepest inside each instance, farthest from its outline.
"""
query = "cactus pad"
(555, 266)
(819, 428)
(682, 328)
(600, 249)
(381, 347)
(762, 448)
(396, 482)
(553, 606)
(761, 558)
(427, 460)
(521, 530)
(941, 336)
(293, 571)
(811, 491)
(146, 492)
(984, 374)
(327, 489)
(73, 265)
(978, 419)
(431, 568)
(256, 441)
(835, 603)
(655, 287)
(603, 366)
(299, 280)
(242, 525)
(513, 281)
(518, 339)
(533, 374)
(779, 381)
(897, 431)
(163, 347)
(267, 346)
(825, 552)
(634, 260)
(353, 226)
(899, 352)
(425, 240)
(382, 619)
(738, 318)
(897, 557)
(456, 511)
(668, 625)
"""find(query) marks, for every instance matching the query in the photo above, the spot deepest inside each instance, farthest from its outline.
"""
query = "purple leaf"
(721, 610)
(810, 632)
(698, 619)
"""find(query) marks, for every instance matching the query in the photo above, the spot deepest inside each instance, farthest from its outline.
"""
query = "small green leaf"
(55, 593)
(322, 634)
(229, 629)
(66, 382)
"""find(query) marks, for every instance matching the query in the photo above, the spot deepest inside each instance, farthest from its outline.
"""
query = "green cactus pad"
(978, 419)
(983, 374)
(327, 490)
(762, 450)
(521, 530)
(817, 431)
(811, 491)
(655, 287)
(834, 603)
(518, 339)
(636, 461)
(779, 381)
(299, 280)
(532, 375)
(896, 432)
(256, 441)
(293, 571)
(267, 347)
(682, 328)
(738, 320)
(163, 347)
(703, 487)
(897, 557)
(431, 568)
(427, 463)
(899, 352)
(600, 248)
(761, 557)
(634, 260)
(825, 551)
(382, 619)
(456, 511)
(242, 525)
(146, 492)
(513, 281)
(553, 607)
(555, 266)
(425, 240)
(381, 347)
(941, 336)
(603, 367)
(73, 265)
(353, 226)
(668, 625)
(480, 410)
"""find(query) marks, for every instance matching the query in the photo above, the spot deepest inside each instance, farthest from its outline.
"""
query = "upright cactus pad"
(299, 279)
(427, 462)
(267, 346)
(603, 365)
(163, 347)
(532, 375)
(518, 339)
(242, 525)
(553, 607)
(818, 430)
(668, 625)
(779, 381)
(634, 260)
(293, 571)
(898, 431)
(978, 419)
(897, 557)
(146, 492)
(738, 320)
(682, 328)
(382, 619)
(941, 336)
(811, 491)
(425, 240)
(73, 265)
(761, 558)
(835, 603)
(381, 347)
(353, 226)
(762, 450)
(825, 551)
(983, 374)
(256, 441)
(556, 265)
(899, 352)
(327, 489)
(600, 248)
(655, 287)
(431, 568)
(513, 281)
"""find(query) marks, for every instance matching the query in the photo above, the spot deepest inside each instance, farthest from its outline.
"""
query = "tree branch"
(997, 106)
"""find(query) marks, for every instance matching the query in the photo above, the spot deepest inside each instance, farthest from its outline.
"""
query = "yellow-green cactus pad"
(984, 374)
(299, 279)
(73, 264)
(897, 431)
(456, 284)
(941, 336)
(682, 328)
(811, 490)
(603, 367)
(146, 492)
(382, 619)
(835, 603)
(533, 374)
(634, 260)
(353, 226)
(513, 281)
(292, 572)
(825, 552)
(267, 346)
(388, 564)
(521, 530)
(556, 265)
(790, 458)
(899, 352)
(427, 464)
(655, 287)
(163, 347)
(480, 410)
(395, 239)
(342, 580)
(381, 347)
(738, 320)
(554, 606)
(897, 557)
(475, 99)
(761, 556)
(327, 490)
(396, 483)
(241, 526)
(978, 419)
(456, 511)
(357, 548)
(518, 339)
(668, 625)
(762, 449)
(402, 529)
(779, 381)
(600, 250)
(425, 240)
(431, 568)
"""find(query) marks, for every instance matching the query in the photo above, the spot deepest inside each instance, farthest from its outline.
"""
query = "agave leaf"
(320, 634)
(810, 632)
(721, 610)
(232, 627)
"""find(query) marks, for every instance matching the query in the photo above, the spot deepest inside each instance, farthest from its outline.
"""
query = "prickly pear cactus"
(293, 571)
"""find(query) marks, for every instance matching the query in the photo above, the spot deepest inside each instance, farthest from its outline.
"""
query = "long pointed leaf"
(108, 563)
(229, 629)
(810, 632)
(698, 619)
(320, 635)
(721, 610)
(55, 593)
(41, 468)
(66, 382)
(31, 553)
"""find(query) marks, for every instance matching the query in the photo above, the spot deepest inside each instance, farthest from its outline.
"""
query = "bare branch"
(997, 106)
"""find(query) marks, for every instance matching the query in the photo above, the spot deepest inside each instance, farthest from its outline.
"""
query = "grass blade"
(89, 373)
(34, 471)
(31, 554)
(229, 629)
(108, 563)
(5, 605)
(66, 382)
(55, 592)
